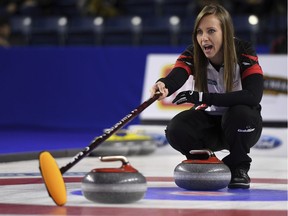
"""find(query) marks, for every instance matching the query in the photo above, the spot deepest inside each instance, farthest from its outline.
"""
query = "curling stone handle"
(114, 158)
(203, 151)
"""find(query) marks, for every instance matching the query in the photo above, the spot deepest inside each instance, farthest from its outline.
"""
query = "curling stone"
(147, 147)
(110, 149)
(114, 185)
(206, 173)
(124, 143)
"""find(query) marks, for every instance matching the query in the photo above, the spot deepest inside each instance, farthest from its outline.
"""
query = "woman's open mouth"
(207, 48)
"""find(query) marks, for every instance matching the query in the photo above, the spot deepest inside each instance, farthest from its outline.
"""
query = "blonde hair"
(230, 58)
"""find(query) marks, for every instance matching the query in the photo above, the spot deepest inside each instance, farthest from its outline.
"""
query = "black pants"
(237, 130)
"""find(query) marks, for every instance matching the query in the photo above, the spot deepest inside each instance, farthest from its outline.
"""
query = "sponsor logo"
(212, 82)
(268, 142)
(275, 85)
(247, 130)
(246, 63)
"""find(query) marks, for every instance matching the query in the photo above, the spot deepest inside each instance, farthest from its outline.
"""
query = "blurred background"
(134, 22)
(80, 65)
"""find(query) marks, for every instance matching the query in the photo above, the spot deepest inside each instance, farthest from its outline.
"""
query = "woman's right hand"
(159, 87)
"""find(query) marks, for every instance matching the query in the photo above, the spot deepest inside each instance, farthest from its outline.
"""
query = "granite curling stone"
(126, 143)
(114, 185)
(208, 173)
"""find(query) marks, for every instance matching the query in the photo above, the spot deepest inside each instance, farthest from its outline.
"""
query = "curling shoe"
(239, 179)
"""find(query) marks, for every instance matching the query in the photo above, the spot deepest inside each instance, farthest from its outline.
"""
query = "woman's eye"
(211, 31)
(199, 32)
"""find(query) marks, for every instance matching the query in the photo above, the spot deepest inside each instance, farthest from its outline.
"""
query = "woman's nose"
(204, 37)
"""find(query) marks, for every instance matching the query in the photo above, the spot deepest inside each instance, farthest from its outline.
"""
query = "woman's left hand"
(188, 97)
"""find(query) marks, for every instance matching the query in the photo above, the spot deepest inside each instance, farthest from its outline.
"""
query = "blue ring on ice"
(174, 193)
